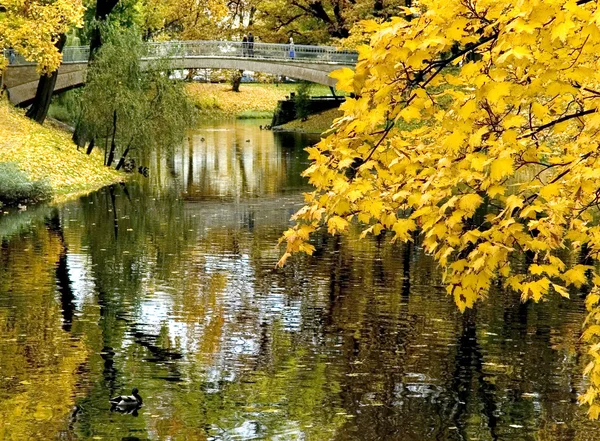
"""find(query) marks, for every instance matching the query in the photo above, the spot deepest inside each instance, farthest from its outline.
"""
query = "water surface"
(169, 284)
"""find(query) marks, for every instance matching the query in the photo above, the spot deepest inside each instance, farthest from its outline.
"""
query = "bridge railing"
(259, 51)
(216, 49)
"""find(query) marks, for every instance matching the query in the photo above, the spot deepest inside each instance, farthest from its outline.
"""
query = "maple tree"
(475, 125)
(33, 28)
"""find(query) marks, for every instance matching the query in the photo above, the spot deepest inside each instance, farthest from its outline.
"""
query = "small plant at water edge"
(16, 187)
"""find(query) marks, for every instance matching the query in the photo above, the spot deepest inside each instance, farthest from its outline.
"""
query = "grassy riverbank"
(254, 100)
(45, 161)
(318, 123)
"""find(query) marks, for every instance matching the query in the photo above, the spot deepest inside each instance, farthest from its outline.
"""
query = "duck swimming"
(128, 401)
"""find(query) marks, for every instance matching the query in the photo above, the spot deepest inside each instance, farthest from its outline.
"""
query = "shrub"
(302, 100)
(66, 107)
(16, 187)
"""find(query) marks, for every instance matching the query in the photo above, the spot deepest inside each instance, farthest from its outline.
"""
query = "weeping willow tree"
(131, 104)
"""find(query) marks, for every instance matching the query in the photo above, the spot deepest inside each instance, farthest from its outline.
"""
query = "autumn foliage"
(46, 154)
(475, 125)
(32, 28)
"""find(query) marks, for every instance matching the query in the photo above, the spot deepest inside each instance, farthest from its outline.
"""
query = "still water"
(169, 284)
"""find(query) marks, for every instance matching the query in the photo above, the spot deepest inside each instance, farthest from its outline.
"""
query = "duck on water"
(127, 403)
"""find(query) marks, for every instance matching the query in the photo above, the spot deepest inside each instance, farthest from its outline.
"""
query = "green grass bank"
(318, 123)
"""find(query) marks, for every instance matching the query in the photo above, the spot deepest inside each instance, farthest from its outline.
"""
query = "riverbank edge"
(317, 124)
(253, 101)
(46, 153)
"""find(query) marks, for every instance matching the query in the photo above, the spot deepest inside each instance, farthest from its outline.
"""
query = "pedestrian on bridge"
(292, 49)
(251, 44)
(245, 46)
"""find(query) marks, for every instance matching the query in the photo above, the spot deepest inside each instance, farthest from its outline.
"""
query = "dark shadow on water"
(63, 278)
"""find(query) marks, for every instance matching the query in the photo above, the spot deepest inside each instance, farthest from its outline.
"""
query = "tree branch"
(557, 121)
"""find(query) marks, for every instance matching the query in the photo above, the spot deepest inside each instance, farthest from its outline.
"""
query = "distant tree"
(318, 21)
(236, 80)
(184, 19)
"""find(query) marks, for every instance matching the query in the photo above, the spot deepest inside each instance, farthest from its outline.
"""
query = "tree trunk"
(122, 160)
(340, 23)
(236, 80)
(336, 26)
(251, 15)
(103, 10)
(43, 95)
(90, 147)
(113, 145)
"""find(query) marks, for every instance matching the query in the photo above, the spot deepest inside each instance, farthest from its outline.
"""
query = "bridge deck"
(218, 49)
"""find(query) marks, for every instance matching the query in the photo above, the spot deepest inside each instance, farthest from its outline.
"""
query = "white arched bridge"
(309, 63)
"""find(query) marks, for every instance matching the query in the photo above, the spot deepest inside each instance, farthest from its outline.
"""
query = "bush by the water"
(302, 100)
(16, 187)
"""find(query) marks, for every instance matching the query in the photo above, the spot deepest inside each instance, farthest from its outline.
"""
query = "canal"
(169, 284)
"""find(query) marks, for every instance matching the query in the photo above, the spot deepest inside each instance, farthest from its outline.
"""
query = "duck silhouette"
(127, 403)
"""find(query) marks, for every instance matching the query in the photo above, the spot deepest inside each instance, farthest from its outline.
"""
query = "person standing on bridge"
(11, 56)
(292, 49)
(244, 46)
(251, 44)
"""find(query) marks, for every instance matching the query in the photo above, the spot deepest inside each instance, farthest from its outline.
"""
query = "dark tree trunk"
(43, 95)
(122, 160)
(103, 10)
(340, 27)
(236, 80)
(318, 11)
(78, 133)
(191, 74)
(113, 145)
(251, 16)
(90, 147)
(106, 146)
(336, 27)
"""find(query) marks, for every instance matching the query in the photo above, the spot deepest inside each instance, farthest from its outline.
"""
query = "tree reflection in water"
(170, 283)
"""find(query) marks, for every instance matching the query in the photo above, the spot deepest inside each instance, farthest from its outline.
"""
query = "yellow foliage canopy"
(32, 28)
(503, 159)
(186, 19)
